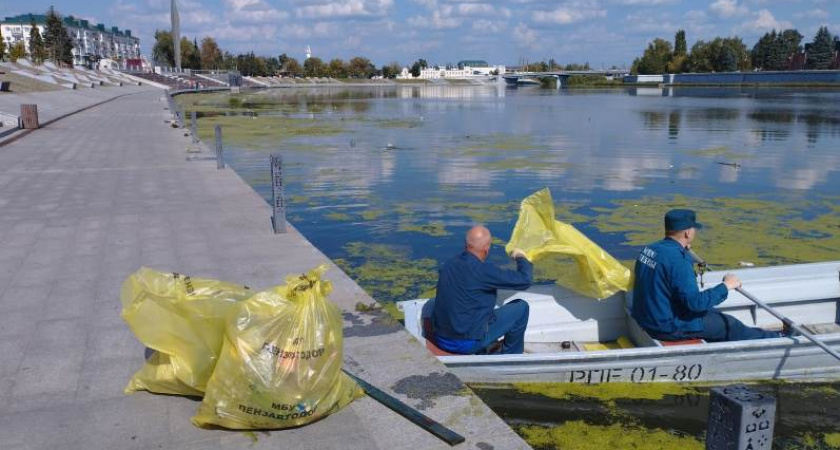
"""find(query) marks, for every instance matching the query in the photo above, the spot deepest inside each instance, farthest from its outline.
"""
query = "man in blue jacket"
(464, 320)
(666, 300)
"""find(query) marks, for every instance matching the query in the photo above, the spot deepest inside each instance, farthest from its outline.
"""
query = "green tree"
(2, 47)
(37, 50)
(655, 59)
(337, 68)
(391, 70)
(290, 66)
(163, 51)
(680, 46)
(17, 51)
(821, 51)
(314, 67)
(58, 44)
(360, 67)
(719, 55)
(211, 54)
(190, 56)
(418, 65)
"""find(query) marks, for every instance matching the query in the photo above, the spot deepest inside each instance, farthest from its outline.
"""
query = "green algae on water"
(337, 216)
(578, 435)
(832, 440)
(387, 272)
(606, 392)
(434, 229)
(722, 152)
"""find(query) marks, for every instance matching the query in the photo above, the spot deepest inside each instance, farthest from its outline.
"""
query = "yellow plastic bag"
(183, 319)
(561, 252)
(281, 360)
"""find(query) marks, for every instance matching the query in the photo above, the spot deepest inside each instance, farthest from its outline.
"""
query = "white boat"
(570, 338)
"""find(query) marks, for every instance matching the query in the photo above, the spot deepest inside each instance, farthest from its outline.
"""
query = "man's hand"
(731, 281)
(518, 253)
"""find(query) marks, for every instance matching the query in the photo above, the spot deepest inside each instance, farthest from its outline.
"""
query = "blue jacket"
(666, 298)
(466, 294)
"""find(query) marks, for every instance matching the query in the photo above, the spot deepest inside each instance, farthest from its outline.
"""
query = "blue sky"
(602, 32)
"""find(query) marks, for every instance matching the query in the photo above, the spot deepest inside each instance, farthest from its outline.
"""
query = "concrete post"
(220, 157)
(29, 117)
(740, 419)
(278, 196)
(194, 126)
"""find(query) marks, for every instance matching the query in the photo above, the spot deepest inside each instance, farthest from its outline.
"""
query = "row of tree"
(207, 55)
(774, 51)
(55, 45)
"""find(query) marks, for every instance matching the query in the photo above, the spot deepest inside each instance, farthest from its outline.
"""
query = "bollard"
(194, 126)
(29, 117)
(181, 116)
(740, 419)
(220, 157)
(278, 199)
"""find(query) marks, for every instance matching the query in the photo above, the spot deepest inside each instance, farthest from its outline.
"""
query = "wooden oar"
(419, 419)
(789, 323)
(700, 261)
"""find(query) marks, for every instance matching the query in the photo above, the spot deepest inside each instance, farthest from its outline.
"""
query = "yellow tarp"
(561, 252)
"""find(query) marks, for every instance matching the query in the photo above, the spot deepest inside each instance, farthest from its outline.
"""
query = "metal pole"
(789, 323)
(418, 418)
(278, 196)
(220, 157)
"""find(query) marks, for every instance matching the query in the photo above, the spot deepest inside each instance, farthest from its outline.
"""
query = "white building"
(91, 43)
(464, 70)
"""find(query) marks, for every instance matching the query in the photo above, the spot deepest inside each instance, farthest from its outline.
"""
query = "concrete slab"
(91, 198)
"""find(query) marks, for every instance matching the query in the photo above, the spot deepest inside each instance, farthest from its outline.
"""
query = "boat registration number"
(682, 372)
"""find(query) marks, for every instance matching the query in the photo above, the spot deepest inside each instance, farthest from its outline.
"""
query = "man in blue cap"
(666, 300)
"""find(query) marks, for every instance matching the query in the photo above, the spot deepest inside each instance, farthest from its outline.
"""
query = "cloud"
(764, 21)
(489, 26)
(523, 35)
(436, 21)
(346, 8)
(818, 14)
(567, 15)
(644, 2)
(253, 11)
(728, 8)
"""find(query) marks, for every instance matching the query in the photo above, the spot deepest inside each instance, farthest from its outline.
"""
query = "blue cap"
(681, 219)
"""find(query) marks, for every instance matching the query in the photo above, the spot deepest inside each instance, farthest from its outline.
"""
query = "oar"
(789, 323)
(697, 259)
(419, 419)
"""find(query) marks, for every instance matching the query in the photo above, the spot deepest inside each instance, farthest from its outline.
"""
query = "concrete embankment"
(89, 199)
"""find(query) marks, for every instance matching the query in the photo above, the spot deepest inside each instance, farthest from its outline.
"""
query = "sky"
(601, 32)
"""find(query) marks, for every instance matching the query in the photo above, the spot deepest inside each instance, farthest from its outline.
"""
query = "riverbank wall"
(805, 77)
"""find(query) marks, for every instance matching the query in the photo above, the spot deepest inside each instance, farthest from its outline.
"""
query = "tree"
(719, 55)
(164, 50)
(360, 67)
(2, 47)
(314, 67)
(655, 59)
(211, 54)
(821, 51)
(773, 51)
(337, 68)
(292, 67)
(17, 51)
(391, 70)
(37, 51)
(58, 44)
(680, 46)
(190, 57)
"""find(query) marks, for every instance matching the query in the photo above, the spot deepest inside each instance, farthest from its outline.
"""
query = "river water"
(386, 180)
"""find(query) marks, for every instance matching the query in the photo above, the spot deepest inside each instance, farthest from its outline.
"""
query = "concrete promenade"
(91, 198)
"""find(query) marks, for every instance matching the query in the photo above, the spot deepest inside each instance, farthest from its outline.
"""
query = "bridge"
(562, 76)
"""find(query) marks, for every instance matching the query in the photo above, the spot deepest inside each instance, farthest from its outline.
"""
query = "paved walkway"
(91, 198)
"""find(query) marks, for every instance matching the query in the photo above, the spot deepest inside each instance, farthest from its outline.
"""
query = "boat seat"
(494, 348)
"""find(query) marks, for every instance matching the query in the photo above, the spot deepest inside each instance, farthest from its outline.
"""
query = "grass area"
(21, 84)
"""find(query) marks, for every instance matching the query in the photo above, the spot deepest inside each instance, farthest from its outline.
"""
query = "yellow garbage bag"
(183, 319)
(559, 251)
(281, 360)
